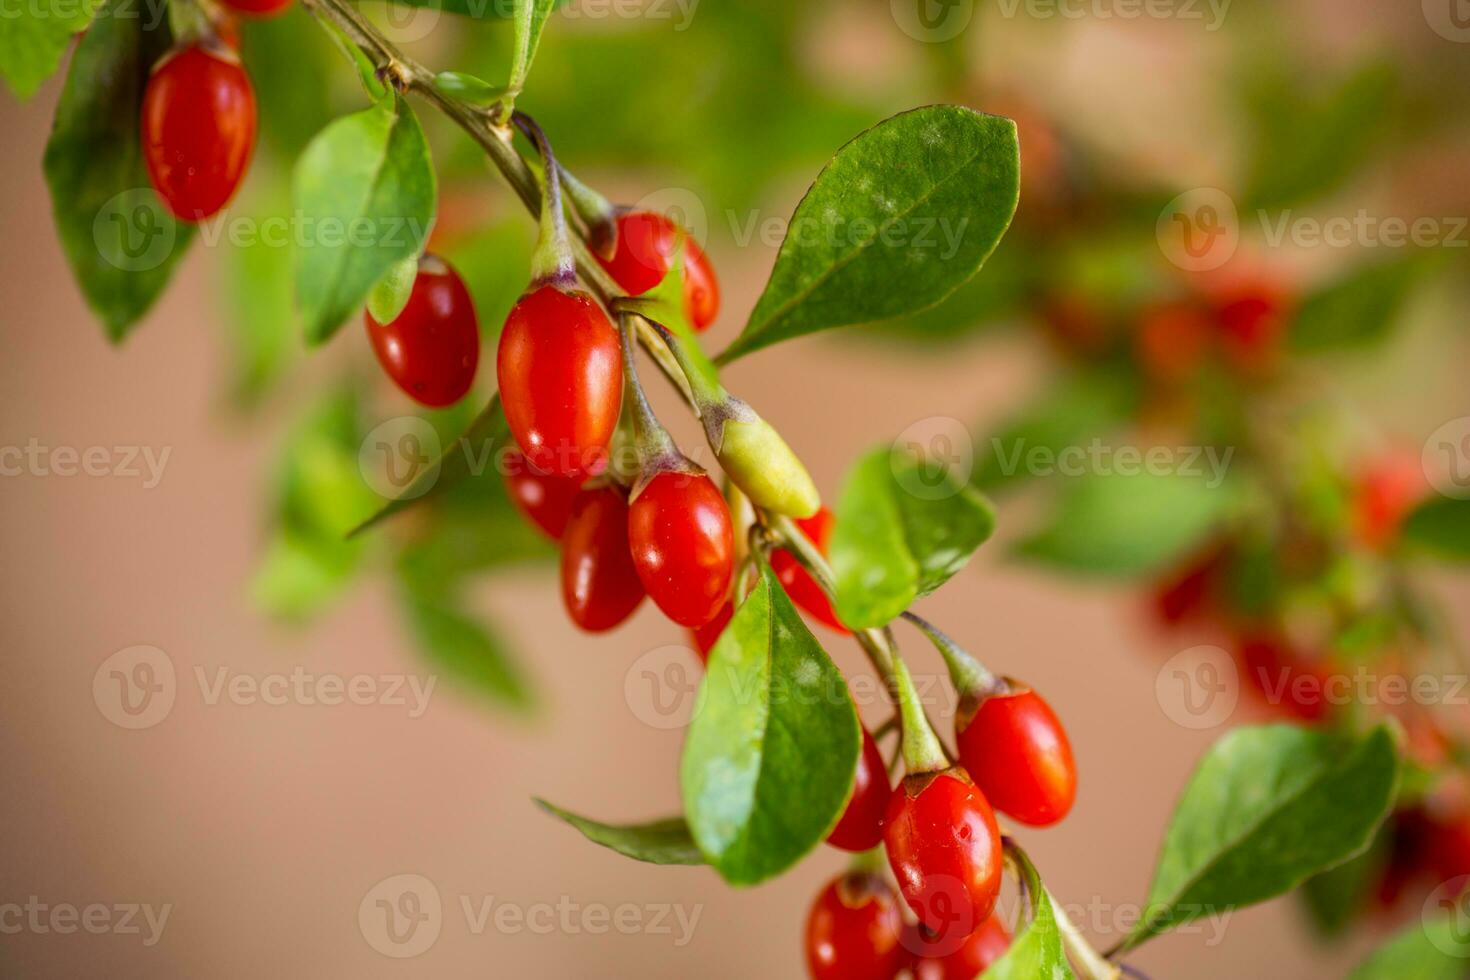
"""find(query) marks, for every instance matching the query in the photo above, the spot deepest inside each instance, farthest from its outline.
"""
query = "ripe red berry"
(855, 930)
(1252, 320)
(1189, 592)
(1283, 679)
(544, 498)
(941, 957)
(683, 546)
(560, 368)
(1384, 493)
(259, 8)
(799, 585)
(1171, 341)
(432, 348)
(861, 826)
(944, 847)
(1018, 754)
(599, 585)
(706, 636)
(645, 249)
(198, 123)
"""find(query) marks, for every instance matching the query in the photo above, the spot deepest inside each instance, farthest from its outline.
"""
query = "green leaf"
(474, 455)
(770, 755)
(903, 529)
(474, 9)
(1268, 808)
(259, 310)
(467, 87)
(1440, 526)
(34, 37)
(659, 842)
(365, 189)
(894, 223)
(121, 242)
(291, 104)
(1037, 953)
(1437, 949)
(1358, 309)
(1072, 411)
(464, 649)
(390, 295)
(530, 21)
(1334, 900)
(1129, 525)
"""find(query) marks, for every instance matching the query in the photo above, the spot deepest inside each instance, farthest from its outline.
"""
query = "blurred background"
(311, 719)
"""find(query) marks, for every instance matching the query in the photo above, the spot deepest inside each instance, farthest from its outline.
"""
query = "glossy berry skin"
(198, 129)
(545, 499)
(1018, 754)
(945, 851)
(799, 585)
(644, 252)
(432, 348)
(599, 585)
(855, 930)
(258, 8)
(941, 957)
(683, 546)
(705, 637)
(861, 826)
(560, 368)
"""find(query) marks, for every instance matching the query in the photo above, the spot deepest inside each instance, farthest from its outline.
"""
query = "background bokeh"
(264, 827)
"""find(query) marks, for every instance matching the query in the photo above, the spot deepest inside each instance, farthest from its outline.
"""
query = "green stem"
(922, 751)
(1093, 964)
(552, 263)
(656, 448)
(969, 676)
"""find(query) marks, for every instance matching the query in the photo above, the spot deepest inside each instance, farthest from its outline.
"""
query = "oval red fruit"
(543, 497)
(945, 850)
(645, 249)
(560, 368)
(258, 8)
(938, 957)
(198, 127)
(1018, 754)
(861, 826)
(798, 583)
(855, 930)
(683, 546)
(599, 585)
(432, 348)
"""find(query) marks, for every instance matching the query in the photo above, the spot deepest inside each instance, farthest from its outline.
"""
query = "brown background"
(265, 826)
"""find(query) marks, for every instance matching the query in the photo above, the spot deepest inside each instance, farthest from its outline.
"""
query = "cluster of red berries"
(198, 117)
(1243, 321)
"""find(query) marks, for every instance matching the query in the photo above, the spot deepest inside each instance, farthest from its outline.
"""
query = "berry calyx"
(198, 128)
(940, 957)
(945, 850)
(599, 584)
(546, 499)
(683, 545)
(560, 367)
(861, 825)
(855, 930)
(1016, 750)
(646, 245)
(432, 348)
(798, 582)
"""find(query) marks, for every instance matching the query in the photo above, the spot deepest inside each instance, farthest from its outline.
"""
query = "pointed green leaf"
(904, 527)
(1268, 808)
(530, 21)
(34, 38)
(121, 242)
(659, 842)
(894, 223)
(467, 87)
(1037, 953)
(1358, 309)
(365, 189)
(771, 751)
(1441, 527)
(466, 650)
(1437, 948)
